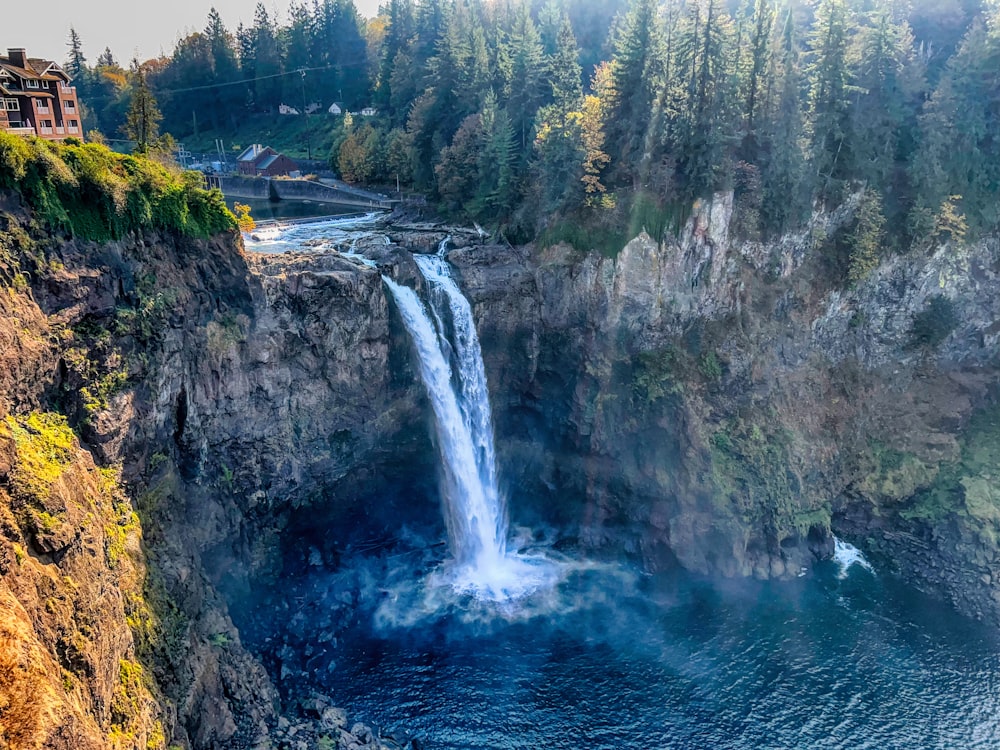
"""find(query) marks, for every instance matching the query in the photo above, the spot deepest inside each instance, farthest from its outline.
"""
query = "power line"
(241, 82)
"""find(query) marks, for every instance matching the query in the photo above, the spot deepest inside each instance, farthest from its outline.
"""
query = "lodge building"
(36, 98)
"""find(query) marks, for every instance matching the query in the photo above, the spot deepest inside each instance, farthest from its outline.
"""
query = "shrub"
(932, 325)
(45, 447)
(97, 194)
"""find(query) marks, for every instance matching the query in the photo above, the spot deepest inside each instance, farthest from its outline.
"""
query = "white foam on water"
(846, 555)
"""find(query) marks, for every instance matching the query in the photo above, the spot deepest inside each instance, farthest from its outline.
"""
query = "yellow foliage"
(243, 218)
(45, 447)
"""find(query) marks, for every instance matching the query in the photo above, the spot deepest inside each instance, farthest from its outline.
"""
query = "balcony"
(43, 109)
(67, 89)
(45, 130)
(20, 130)
(72, 129)
(60, 130)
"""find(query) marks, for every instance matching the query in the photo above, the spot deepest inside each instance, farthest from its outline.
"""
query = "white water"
(846, 555)
(475, 512)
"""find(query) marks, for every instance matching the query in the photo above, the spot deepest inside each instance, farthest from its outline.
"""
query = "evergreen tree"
(637, 71)
(400, 30)
(889, 92)
(830, 80)
(267, 68)
(526, 82)
(106, 59)
(761, 25)
(562, 65)
(782, 157)
(223, 70)
(76, 63)
(704, 129)
(142, 122)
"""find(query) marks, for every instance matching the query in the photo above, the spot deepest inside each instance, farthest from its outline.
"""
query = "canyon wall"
(712, 403)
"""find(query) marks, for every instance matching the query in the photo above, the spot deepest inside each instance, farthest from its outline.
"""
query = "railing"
(43, 109)
(72, 129)
(60, 130)
(45, 130)
(21, 131)
(67, 89)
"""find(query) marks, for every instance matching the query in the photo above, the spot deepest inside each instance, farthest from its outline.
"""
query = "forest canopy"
(528, 114)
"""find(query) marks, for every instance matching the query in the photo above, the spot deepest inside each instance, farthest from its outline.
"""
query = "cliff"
(723, 404)
(712, 403)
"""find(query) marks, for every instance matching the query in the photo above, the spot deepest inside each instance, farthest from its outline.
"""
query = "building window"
(9, 105)
(31, 84)
(73, 124)
(70, 106)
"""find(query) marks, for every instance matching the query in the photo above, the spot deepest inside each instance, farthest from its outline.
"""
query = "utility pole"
(302, 72)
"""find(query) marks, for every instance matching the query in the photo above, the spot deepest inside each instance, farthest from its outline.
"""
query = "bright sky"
(127, 26)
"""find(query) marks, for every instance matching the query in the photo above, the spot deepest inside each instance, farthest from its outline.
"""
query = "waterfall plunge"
(475, 512)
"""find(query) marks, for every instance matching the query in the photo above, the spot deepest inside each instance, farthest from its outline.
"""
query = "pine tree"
(526, 82)
(266, 61)
(106, 59)
(637, 70)
(562, 64)
(224, 69)
(142, 122)
(400, 30)
(830, 80)
(762, 24)
(783, 162)
(704, 129)
(76, 63)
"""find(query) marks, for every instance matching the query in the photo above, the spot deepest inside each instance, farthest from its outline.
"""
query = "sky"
(129, 27)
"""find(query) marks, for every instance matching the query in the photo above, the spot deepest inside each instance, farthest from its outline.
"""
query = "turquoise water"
(618, 660)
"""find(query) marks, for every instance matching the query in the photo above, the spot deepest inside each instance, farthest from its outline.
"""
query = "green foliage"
(585, 236)
(97, 194)
(931, 326)
(710, 367)
(783, 104)
(45, 447)
(867, 238)
(657, 375)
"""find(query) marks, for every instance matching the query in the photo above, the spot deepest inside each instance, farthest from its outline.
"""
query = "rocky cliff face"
(711, 403)
(724, 404)
(228, 396)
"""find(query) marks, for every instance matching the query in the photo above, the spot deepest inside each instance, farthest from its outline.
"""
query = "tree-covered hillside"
(600, 113)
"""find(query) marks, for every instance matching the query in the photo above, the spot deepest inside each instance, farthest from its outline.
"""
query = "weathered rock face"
(724, 404)
(712, 403)
(230, 396)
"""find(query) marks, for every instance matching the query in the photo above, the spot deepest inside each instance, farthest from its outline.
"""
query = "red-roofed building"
(264, 161)
(36, 98)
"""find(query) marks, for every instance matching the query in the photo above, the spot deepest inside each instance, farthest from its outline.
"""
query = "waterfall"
(451, 368)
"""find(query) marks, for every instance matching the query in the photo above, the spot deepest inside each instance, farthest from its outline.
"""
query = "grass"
(287, 134)
(93, 193)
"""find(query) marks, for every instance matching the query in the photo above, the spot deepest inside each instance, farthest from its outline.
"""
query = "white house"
(314, 107)
(368, 112)
(335, 109)
(284, 109)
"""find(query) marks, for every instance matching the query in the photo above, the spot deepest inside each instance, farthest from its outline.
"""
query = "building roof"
(252, 152)
(267, 161)
(38, 69)
(20, 72)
